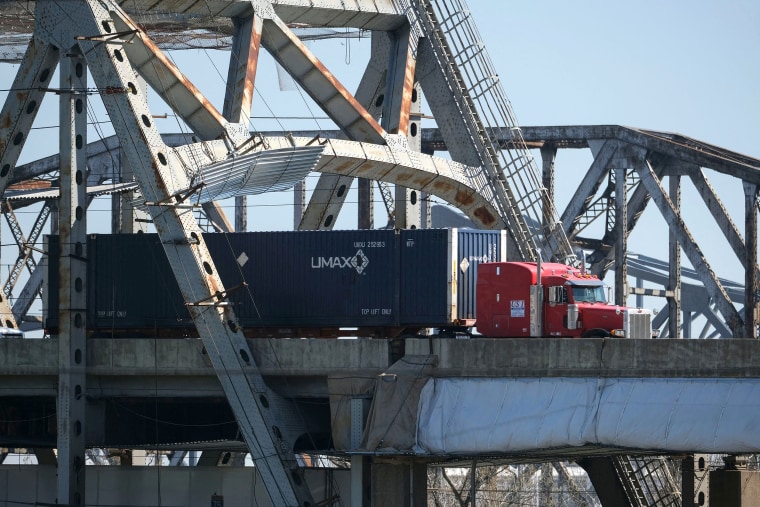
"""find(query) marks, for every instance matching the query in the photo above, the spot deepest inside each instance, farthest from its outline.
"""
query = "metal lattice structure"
(108, 48)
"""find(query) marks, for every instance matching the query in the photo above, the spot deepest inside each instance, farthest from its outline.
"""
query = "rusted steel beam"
(331, 190)
(19, 111)
(319, 83)
(433, 175)
(166, 79)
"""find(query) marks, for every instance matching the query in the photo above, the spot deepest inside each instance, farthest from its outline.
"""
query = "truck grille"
(638, 324)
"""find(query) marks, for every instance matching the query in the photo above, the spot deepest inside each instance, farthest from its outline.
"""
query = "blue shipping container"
(302, 283)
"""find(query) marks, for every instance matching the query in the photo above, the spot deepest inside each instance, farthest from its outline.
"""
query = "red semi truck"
(520, 299)
(380, 283)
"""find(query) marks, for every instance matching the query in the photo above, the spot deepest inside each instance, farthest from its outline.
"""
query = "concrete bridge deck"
(30, 367)
(126, 376)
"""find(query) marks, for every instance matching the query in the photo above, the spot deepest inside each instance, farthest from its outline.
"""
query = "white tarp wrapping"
(479, 415)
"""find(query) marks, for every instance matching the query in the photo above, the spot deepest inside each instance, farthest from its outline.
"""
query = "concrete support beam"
(734, 488)
(526, 357)
(606, 481)
(360, 465)
(45, 457)
(695, 480)
(399, 484)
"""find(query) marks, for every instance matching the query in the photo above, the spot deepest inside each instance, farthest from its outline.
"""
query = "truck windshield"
(587, 294)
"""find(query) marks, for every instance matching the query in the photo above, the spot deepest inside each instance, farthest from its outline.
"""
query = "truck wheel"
(596, 333)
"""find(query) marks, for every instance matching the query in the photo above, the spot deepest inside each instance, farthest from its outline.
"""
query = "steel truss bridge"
(423, 48)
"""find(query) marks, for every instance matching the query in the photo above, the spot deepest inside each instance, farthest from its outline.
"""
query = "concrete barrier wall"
(151, 486)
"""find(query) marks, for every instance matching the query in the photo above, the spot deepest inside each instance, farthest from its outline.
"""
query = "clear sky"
(680, 66)
(683, 66)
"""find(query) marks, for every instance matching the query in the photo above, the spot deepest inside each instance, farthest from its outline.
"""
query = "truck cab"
(513, 300)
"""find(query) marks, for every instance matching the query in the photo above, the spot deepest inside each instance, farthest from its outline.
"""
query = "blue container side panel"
(474, 247)
(309, 278)
(131, 285)
(423, 282)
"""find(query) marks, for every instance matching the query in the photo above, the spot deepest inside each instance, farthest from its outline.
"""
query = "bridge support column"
(695, 480)
(606, 481)
(71, 403)
(401, 114)
(674, 261)
(399, 484)
(360, 476)
(548, 158)
(733, 486)
(299, 203)
(366, 215)
(751, 285)
(621, 236)
(125, 218)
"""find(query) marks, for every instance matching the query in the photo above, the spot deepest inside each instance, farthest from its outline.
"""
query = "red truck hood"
(601, 315)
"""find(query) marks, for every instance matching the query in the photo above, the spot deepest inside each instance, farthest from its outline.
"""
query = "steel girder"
(674, 262)
(238, 97)
(651, 188)
(16, 118)
(371, 87)
(266, 421)
(392, 163)
(562, 137)
(751, 282)
(719, 213)
(25, 257)
(621, 235)
(72, 347)
(588, 188)
(567, 137)
(331, 190)
(650, 181)
(674, 146)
